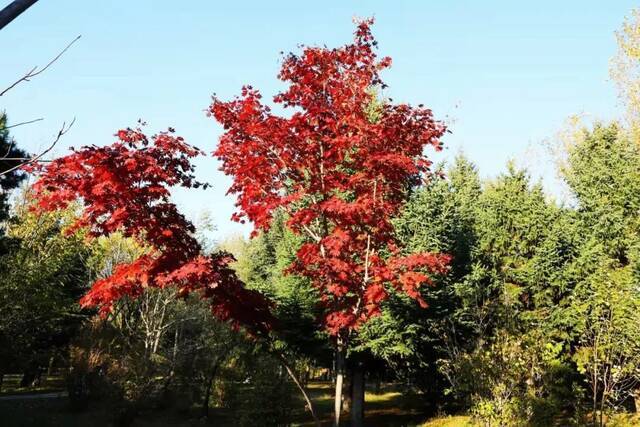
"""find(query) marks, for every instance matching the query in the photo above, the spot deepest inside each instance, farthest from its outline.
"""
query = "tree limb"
(13, 10)
(63, 130)
(28, 122)
(34, 71)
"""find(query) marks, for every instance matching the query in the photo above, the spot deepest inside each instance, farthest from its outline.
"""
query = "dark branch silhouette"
(13, 10)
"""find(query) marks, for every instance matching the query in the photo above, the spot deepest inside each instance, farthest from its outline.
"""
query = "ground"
(47, 406)
(392, 406)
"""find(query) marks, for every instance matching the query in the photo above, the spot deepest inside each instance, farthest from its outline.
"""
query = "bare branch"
(28, 122)
(63, 130)
(34, 71)
(13, 10)
(6, 155)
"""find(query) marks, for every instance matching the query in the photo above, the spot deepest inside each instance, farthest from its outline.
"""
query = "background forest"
(536, 322)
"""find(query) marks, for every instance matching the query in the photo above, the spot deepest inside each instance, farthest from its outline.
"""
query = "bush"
(515, 381)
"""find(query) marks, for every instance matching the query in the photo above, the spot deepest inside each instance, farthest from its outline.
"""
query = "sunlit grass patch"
(624, 420)
(383, 397)
(449, 421)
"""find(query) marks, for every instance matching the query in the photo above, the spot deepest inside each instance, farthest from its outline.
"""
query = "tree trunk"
(13, 10)
(207, 393)
(174, 358)
(594, 395)
(29, 377)
(346, 389)
(357, 395)
(337, 403)
(50, 366)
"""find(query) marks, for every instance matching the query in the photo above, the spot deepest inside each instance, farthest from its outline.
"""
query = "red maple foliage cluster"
(340, 166)
(125, 187)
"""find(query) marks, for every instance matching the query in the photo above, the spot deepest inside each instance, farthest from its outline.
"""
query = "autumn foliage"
(125, 187)
(340, 165)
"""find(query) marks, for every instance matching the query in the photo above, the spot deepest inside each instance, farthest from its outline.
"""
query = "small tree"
(340, 165)
(602, 172)
(609, 349)
(43, 274)
(124, 187)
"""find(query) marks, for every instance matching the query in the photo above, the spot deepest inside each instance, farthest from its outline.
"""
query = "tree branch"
(34, 71)
(28, 122)
(13, 10)
(63, 130)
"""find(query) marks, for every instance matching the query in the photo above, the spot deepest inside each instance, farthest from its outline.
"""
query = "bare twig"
(6, 155)
(28, 122)
(63, 130)
(34, 71)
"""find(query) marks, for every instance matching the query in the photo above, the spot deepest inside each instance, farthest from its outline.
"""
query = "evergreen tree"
(11, 180)
(603, 173)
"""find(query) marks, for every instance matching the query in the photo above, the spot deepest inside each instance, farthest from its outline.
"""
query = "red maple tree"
(125, 187)
(340, 165)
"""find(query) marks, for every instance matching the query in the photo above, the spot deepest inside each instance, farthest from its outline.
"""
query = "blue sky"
(504, 74)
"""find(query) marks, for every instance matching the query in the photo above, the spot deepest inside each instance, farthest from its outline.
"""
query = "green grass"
(624, 420)
(449, 421)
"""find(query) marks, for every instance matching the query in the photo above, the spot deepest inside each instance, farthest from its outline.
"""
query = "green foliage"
(508, 291)
(11, 180)
(263, 265)
(44, 273)
(602, 171)
(439, 217)
(258, 391)
(157, 352)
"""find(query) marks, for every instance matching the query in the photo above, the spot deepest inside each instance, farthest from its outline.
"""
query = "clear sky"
(505, 74)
